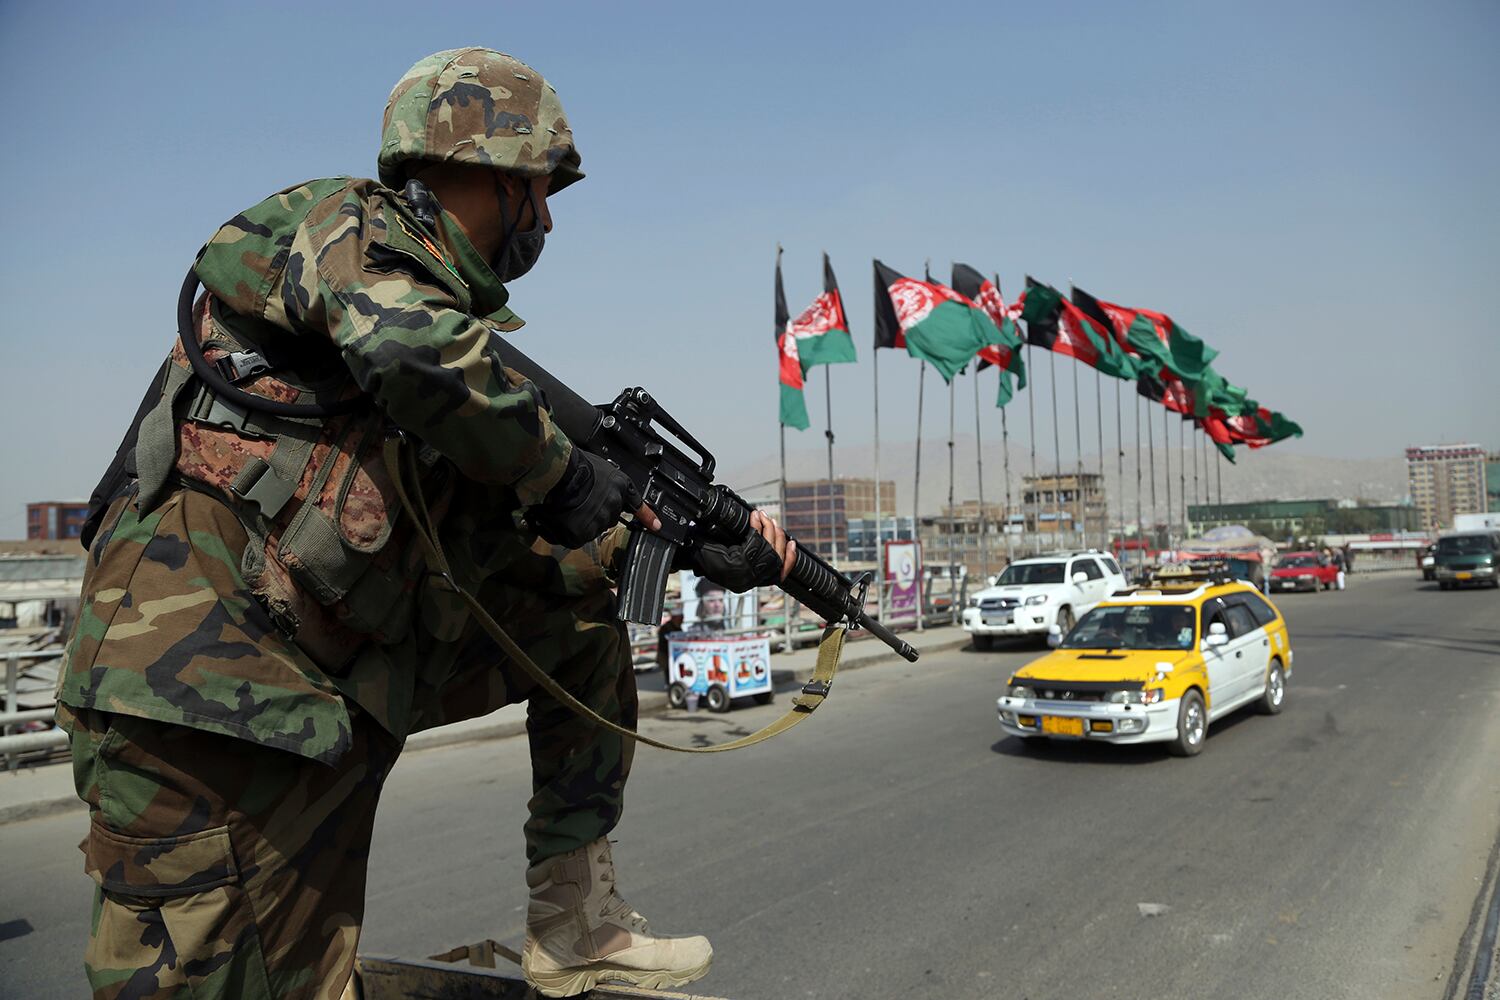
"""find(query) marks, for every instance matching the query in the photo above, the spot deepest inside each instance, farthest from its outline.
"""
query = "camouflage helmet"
(481, 107)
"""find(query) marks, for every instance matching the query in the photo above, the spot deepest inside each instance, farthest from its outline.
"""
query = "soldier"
(260, 631)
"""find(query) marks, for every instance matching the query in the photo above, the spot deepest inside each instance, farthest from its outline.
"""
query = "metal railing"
(791, 626)
(12, 744)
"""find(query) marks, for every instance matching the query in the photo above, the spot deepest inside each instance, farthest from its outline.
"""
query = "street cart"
(718, 669)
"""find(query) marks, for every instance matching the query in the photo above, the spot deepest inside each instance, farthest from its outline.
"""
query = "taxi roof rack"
(1213, 572)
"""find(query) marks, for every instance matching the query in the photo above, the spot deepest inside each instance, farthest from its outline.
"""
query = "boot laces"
(613, 905)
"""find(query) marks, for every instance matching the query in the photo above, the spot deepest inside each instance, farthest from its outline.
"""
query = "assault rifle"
(680, 488)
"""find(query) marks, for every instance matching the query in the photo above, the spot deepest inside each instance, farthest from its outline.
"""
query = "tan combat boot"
(579, 932)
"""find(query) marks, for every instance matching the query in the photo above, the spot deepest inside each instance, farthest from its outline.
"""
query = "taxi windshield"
(1027, 573)
(1151, 626)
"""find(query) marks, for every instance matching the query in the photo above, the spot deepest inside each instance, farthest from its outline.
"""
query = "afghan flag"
(1213, 425)
(793, 406)
(1005, 355)
(1168, 390)
(1258, 426)
(822, 331)
(1152, 335)
(1058, 325)
(932, 321)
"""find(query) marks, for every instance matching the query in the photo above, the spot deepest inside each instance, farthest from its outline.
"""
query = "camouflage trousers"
(225, 869)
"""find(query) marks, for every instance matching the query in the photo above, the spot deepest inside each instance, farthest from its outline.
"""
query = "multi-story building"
(56, 518)
(1492, 483)
(1064, 511)
(1444, 480)
(818, 510)
(967, 534)
(862, 550)
(1280, 519)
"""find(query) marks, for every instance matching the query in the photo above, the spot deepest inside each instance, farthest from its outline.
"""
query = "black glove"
(590, 497)
(749, 564)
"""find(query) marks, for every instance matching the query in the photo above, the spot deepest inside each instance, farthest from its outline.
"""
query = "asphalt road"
(897, 845)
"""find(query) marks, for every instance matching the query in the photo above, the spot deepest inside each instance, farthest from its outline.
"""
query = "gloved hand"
(764, 558)
(590, 497)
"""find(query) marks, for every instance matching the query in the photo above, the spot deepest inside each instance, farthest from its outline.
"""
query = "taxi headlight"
(1021, 691)
(1148, 696)
(1037, 599)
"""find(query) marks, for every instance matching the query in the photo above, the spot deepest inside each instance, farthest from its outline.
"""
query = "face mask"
(518, 251)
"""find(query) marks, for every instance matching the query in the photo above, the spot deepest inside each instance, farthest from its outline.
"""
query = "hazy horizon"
(1311, 190)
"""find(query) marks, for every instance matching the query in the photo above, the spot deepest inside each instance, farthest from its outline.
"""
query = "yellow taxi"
(1156, 663)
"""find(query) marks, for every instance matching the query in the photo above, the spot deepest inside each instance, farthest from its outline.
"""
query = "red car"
(1304, 571)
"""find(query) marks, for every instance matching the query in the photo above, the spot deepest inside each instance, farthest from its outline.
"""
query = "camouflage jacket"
(169, 629)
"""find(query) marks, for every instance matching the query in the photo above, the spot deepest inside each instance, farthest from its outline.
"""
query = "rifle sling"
(399, 463)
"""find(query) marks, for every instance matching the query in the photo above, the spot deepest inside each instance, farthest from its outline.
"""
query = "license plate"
(1062, 725)
(1002, 619)
(1463, 576)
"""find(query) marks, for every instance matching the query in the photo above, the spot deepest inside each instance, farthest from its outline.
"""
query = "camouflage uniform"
(234, 705)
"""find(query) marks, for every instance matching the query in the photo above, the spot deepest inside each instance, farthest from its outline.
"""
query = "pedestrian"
(1340, 565)
(262, 628)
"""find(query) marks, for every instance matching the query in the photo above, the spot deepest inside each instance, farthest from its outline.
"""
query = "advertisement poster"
(708, 607)
(741, 666)
(903, 578)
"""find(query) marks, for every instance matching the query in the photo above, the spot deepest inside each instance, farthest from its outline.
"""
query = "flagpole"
(828, 399)
(952, 567)
(1056, 455)
(1078, 510)
(1099, 412)
(1120, 459)
(879, 527)
(1195, 477)
(1182, 473)
(916, 493)
(1031, 425)
(1140, 521)
(1151, 446)
(1005, 452)
(1219, 472)
(1166, 459)
(984, 551)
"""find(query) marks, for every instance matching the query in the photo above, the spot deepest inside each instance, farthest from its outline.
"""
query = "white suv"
(1032, 595)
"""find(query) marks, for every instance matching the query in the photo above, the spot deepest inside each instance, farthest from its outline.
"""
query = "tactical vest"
(327, 556)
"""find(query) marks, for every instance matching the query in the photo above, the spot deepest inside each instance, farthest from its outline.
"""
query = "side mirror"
(1054, 636)
(1080, 578)
(1218, 635)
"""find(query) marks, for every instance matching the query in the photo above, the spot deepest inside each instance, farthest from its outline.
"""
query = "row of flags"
(950, 326)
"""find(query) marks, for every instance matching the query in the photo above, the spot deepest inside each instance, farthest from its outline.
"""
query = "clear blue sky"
(1312, 188)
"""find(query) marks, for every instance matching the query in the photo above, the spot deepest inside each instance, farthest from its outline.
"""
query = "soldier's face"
(516, 201)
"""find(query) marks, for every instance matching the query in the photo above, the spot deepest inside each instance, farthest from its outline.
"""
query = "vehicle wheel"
(676, 695)
(1192, 726)
(1274, 697)
(718, 699)
(765, 697)
(1065, 619)
(983, 642)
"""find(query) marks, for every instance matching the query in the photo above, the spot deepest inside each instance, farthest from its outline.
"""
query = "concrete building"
(1280, 519)
(1444, 480)
(818, 511)
(52, 519)
(960, 533)
(1064, 511)
(862, 548)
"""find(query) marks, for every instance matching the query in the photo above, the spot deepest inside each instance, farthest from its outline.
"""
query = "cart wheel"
(765, 697)
(718, 699)
(676, 695)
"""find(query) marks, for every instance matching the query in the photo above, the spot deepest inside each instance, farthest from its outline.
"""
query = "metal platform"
(443, 978)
